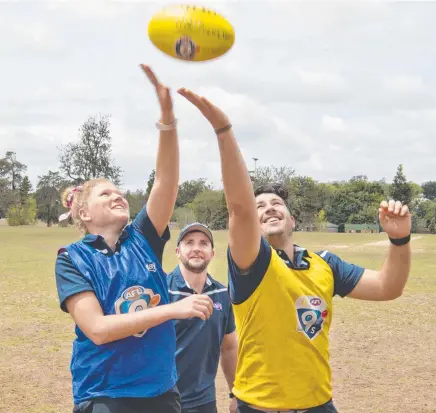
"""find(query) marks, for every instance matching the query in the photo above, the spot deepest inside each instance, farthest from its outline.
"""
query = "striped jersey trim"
(221, 290)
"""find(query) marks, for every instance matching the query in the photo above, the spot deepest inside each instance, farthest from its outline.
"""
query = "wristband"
(400, 241)
(231, 395)
(224, 129)
(163, 127)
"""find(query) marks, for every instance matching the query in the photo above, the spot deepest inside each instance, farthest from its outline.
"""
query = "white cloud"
(315, 161)
(19, 37)
(95, 9)
(333, 124)
(404, 84)
(33, 34)
(320, 79)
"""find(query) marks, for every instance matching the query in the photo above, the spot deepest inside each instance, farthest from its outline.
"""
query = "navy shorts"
(166, 403)
(205, 408)
(325, 408)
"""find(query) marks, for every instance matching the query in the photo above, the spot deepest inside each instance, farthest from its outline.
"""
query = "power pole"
(255, 166)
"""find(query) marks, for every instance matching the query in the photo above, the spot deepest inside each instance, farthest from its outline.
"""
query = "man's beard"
(276, 233)
(198, 268)
(270, 232)
(273, 230)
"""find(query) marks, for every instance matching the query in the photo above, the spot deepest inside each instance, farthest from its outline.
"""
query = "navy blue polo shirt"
(198, 341)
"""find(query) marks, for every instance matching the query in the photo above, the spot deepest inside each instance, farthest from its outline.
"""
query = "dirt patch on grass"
(382, 353)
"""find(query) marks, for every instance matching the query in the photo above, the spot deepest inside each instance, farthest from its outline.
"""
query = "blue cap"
(195, 226)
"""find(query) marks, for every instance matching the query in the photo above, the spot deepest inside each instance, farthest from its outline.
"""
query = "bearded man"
(201, 344)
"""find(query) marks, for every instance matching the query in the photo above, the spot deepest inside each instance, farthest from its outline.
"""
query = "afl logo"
(136, 298)
(316, 302)
(186, 48)
(133, 292)
(311, 315)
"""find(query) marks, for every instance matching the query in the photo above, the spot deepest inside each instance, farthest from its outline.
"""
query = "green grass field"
(383, 354)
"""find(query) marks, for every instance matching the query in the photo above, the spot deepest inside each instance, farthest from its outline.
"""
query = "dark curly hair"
(274, 188)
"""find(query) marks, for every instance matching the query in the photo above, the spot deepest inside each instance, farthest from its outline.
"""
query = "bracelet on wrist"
(166, 127)
(224, 129)
(400, 241)
(231, 395)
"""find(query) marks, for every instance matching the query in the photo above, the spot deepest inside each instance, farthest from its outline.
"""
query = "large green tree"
(209, 207)
(11, 170)
(91, 156)
(8, 197)
(189, 190)
(22, 214)
(401, 190)
(425, 211)
(306, 199)
(355, 201)
(432, 226)
(183, 216)
(150, 183)
(25, 190)
(429, 189)
(48, 196)
(136, 201)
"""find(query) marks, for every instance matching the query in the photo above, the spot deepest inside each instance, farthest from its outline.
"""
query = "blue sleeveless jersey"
(130, 280)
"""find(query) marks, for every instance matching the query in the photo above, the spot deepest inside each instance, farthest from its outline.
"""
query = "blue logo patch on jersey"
(136, 298)
(311, 313)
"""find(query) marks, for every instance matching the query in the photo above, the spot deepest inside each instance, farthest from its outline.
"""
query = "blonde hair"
(78, 199)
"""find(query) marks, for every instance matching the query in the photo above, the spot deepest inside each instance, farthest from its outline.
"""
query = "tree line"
(313, 203)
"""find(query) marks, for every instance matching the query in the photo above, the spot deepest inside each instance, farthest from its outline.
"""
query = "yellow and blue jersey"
(283, 312)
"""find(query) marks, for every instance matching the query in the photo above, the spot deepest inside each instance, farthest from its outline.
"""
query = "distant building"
(307, 228)
(332, 227)
(361, 228)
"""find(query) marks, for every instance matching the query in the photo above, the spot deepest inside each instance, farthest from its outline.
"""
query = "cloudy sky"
(333, 89)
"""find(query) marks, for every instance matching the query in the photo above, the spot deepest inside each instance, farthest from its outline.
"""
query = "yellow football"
(191, 33)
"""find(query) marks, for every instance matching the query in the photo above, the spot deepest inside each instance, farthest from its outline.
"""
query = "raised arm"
(389, 282)
(244, 228)
(163, 195)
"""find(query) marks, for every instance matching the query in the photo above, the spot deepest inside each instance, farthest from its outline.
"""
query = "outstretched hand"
(196, 305)
(395, 219)
(216, 117)
(162, 91)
